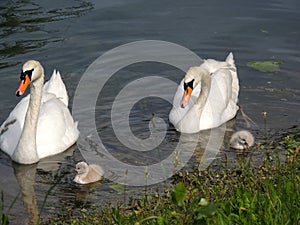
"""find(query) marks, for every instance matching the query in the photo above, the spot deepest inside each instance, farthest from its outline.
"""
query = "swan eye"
(28, 73)
(188, 84)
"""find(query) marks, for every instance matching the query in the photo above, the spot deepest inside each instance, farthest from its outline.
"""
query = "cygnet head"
(81, 167)
(242, 140)
(31, 71)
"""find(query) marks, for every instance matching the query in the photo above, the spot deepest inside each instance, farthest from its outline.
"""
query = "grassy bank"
(268, 193)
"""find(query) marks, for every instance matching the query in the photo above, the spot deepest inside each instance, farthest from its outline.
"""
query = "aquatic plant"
(265, 66)
(4, 218)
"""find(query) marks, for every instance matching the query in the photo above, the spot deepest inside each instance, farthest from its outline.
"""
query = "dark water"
(70, 35)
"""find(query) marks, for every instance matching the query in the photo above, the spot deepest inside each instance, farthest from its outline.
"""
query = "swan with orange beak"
(41, 124)
(25, 81)
(207, 96)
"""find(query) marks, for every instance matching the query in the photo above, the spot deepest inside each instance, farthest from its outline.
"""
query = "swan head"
(31, 71)
(81, 168)
(191, 79)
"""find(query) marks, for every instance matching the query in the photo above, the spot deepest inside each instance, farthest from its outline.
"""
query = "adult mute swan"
(207, 96)
(41, 124)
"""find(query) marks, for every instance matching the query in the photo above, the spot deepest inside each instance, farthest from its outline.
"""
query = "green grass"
(266, 194)
(4, 218)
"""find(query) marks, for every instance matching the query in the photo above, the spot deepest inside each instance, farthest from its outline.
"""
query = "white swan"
(41, 124)
(207, 96)
(88, 173)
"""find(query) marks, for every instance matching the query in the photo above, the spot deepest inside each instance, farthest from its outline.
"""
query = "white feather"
(56, 130)
(221, 104)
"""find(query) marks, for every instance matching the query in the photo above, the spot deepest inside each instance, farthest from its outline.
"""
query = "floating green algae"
(265, 66)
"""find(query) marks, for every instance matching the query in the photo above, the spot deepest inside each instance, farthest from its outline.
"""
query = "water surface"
(70, 35)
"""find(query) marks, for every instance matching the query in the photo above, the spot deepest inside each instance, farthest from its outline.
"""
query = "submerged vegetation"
(268, 193)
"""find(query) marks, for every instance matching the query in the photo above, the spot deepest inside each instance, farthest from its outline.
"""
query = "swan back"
(213, 66)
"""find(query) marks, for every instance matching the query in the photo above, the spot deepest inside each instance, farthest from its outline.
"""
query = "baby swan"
(88, 173)
(241, 140)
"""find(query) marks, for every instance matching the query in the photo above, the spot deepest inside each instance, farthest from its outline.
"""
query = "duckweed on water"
(265, 66)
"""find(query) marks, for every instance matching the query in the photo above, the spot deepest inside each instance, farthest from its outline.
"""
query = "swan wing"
(98, 169)
(56, 130)
(57, 87)
(11, 129)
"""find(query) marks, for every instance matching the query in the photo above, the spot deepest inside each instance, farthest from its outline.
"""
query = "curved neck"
(205, 79)
(26, 151)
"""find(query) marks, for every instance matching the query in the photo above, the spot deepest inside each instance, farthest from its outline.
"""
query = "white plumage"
(213, 100)
(41, 124)
(88, 173)
(242, 140)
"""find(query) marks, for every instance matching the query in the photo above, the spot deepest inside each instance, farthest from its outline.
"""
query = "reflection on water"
(24, 25)
(26, 179)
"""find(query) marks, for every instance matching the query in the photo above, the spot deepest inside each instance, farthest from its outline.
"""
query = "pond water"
(70, 35)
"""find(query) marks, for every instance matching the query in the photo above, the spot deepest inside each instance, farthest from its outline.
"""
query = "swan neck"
(205, 80)
(26, 151)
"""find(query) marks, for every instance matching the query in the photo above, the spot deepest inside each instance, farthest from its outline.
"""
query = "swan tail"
(57, 87)
(235, 82)
(230, 59)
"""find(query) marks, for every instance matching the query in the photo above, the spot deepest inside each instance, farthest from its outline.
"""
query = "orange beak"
(23, 85)
(186, 97)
